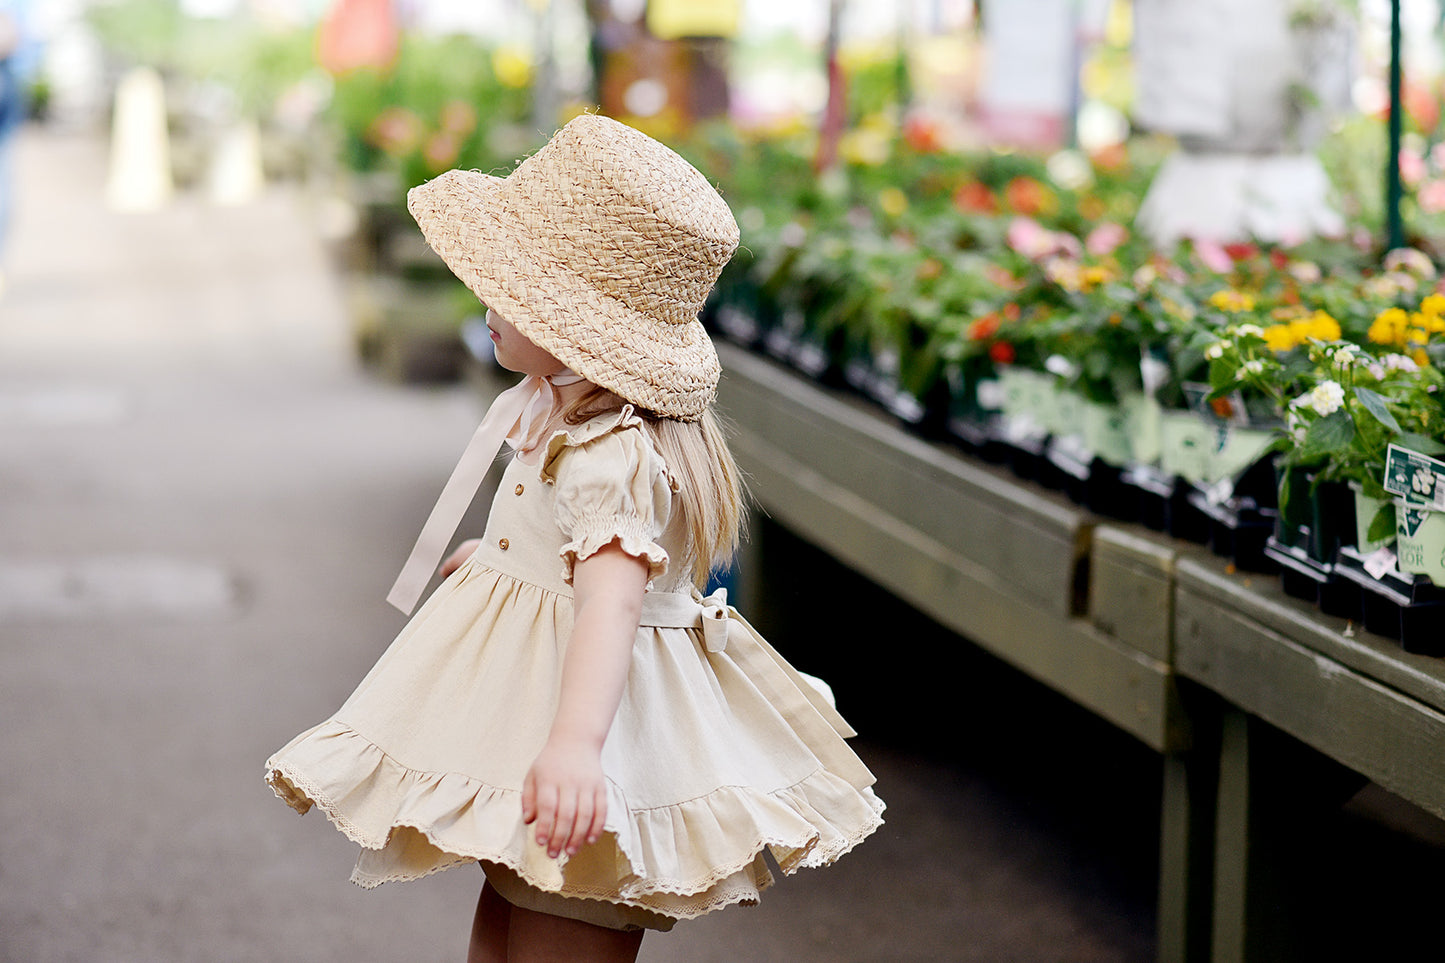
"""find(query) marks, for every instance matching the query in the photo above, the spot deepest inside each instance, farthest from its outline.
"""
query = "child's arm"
(564, 792)
(455, 559)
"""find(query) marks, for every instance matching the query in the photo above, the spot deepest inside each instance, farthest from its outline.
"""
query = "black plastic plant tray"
(1151, 491)
(1407, 608)
(1237, 530)
(1300, 576)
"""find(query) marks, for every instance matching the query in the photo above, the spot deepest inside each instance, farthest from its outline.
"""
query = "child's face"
(516, 353)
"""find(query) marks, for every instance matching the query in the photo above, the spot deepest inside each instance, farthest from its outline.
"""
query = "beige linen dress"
(719, 749)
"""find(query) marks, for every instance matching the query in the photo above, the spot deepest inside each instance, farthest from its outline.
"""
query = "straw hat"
(600, 248)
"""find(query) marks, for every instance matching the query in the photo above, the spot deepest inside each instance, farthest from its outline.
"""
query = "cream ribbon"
(805, 701)
(514, 417)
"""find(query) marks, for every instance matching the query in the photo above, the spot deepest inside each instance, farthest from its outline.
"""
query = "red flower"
(1110, 158)
(1240, 251)
(1002, 352)
(922, 134)
(1025, 195)
(971, 197)
(984, 327)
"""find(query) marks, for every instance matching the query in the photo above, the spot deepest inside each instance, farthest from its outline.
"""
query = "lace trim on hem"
(798, 853)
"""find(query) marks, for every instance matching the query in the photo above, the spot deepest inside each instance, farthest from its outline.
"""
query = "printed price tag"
(1380, 563)
(1416, 478)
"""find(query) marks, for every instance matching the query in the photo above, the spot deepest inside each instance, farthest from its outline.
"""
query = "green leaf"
(1421, 443)
(1330, 434)
(1382, 526)
(1375, 405)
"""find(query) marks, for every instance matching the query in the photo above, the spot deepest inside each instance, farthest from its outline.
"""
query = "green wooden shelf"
(1158, 636)
(997, 561)
(1353, 696)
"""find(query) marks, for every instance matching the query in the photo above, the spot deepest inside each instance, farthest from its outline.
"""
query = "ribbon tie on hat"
(516, 416)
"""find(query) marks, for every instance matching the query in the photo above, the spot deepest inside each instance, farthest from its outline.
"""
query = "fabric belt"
(805, 701)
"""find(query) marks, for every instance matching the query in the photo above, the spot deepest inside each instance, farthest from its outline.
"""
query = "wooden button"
(519, 489)
(503, 544)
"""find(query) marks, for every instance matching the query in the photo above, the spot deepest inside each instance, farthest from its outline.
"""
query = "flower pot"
(1366, 509)
(1420, 541)
(1300, 576)
(1398, 605)
(1144, 424)
(1107, 493)
(1186, 442)
(1151, 491)
(1066, 417)
(1332, 522)
(1106, 433)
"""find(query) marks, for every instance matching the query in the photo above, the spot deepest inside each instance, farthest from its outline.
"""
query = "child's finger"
(562, 828)
(581, 824)
(599, 815)
(546, 816)
(529, 799)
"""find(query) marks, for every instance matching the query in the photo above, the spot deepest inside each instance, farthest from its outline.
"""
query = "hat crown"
(628, 215)
(599, 248)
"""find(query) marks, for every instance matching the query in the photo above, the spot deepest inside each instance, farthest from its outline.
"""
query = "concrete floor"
(202, 503)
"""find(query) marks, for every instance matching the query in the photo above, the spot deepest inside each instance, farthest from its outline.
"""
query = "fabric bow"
(715, 618)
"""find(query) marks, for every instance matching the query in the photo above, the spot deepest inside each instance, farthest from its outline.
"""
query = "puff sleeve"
(609, 487)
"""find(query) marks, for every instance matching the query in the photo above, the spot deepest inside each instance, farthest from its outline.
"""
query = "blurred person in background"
(16, 63)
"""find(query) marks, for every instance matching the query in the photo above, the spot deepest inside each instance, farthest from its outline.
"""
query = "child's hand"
(455, 559)
(565, 796)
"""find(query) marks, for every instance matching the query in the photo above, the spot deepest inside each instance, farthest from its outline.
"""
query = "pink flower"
(1412, 166)
(1036, 242)
(1214, 256)
(1432, 196)
(1105, 238)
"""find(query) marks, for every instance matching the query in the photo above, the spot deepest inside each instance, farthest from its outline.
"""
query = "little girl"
(567, 709)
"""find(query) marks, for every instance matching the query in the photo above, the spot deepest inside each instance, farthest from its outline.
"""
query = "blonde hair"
(710, 487)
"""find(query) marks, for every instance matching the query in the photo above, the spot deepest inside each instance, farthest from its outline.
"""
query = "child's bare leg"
(489, 928)
(542, 938)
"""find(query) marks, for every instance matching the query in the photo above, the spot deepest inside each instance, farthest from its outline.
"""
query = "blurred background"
(233, 378)
(849, 121)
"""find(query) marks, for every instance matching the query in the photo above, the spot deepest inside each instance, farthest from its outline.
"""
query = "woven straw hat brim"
(464, 218)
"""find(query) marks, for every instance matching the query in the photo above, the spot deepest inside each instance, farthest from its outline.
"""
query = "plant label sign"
(1417, 478)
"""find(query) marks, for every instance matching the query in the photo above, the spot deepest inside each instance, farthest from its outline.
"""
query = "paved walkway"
(202, 503)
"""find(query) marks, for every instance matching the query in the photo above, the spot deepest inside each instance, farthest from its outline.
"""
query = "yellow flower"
(1433, 305)
(865, 146)
(1232, 301)
(892, 201)
(1420, 357)
(1389, 327)
(1281, 337)
(1175, 309)
(1092, 277)
(513, 66)
(1323, 327)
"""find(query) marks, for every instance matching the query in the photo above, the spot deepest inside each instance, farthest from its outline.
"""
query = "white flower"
(1061, 366)
(1400, 362)
(1326, 398)
(1248, 330)
(1216, 350)
(1254, 366)
(793, 234)
(1306, 271)
(1409, 259)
